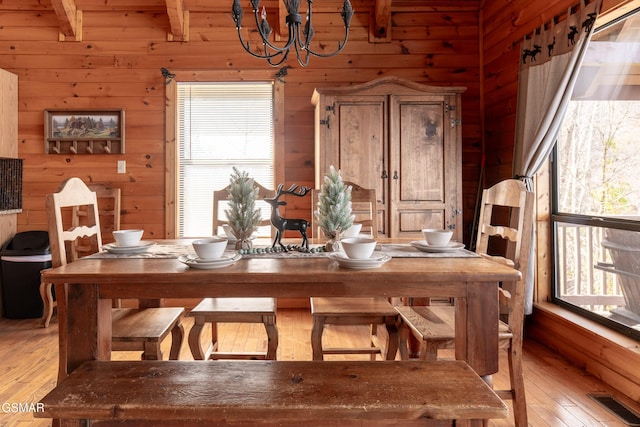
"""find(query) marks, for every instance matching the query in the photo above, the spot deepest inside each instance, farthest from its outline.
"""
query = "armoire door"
(358, 129)
(424, 154)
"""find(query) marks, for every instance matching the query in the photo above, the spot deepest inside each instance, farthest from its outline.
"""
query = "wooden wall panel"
(117, 65)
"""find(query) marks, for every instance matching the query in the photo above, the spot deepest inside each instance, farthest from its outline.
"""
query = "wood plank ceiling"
(69, 12)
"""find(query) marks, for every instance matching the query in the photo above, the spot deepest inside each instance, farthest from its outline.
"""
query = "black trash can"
(21, 260)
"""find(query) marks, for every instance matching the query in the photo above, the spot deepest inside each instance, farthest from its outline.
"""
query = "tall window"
(596, 211)
(220, 125)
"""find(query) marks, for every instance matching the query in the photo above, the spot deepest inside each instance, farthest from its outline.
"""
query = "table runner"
(174, 250)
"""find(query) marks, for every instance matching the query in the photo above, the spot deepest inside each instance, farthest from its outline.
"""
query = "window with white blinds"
(221, 125)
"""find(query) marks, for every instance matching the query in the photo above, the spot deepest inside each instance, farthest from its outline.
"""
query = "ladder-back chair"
(364, 206)
(355, 311)
(233, 310)
(109, 213)
(133, 329)
(434, 325)
(221, 196)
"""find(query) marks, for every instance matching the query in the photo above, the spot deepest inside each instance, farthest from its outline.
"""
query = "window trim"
(171, 132)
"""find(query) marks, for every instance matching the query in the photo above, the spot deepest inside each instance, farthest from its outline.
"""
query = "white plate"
(219, 263)
(375, 261)
(116, 249)
(226, 256)
(425, 247)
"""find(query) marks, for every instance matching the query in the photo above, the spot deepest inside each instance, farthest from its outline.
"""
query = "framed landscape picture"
(84, 131)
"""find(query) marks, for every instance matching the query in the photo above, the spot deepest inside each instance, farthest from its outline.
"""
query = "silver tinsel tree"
(334, 206)
(243, 216)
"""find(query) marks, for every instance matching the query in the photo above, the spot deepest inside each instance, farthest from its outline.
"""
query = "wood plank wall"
(124, 45)
(117, 65)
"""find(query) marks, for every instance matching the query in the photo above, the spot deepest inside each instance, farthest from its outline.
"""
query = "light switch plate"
(122, 166)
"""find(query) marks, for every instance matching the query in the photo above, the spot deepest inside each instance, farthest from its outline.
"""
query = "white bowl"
(353, 231)
(358, 247)
(210, 248)
(437, 237)
(127, 237)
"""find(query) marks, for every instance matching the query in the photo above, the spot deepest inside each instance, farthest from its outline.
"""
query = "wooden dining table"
(90, 285)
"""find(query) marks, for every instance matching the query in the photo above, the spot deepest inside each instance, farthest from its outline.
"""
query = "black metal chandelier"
(299, 38)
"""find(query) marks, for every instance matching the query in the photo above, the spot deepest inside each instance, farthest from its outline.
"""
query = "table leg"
(477, 327)
(85, 326)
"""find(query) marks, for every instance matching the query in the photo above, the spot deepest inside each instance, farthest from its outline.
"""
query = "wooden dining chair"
(363, 207)
(510, 204)
(233, 310)
(109, 212)
(73, 216)
(355, 311)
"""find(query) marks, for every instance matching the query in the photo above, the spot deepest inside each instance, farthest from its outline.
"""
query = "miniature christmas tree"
(243, 216)
(334, 208)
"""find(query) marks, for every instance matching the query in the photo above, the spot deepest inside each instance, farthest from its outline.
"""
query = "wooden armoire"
(401, 138)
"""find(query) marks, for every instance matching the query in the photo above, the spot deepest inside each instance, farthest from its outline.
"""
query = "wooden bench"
(283, 393)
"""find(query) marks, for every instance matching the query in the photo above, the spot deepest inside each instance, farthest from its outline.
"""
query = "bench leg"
(392, 332)
(177, 335)
(152, 351)
(272, 336)
(316, 337)
(403, 337)
(194, 338)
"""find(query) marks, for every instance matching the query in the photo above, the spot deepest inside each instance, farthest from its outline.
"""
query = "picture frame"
(84, 131)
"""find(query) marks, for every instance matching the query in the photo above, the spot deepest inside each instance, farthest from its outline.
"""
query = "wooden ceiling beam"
(69, 18)
(282, 30)
(380, 22)
(178, 21)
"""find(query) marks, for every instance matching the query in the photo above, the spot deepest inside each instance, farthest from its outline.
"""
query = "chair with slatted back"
(233, 310)
(109, 211)
(133, 329)
(510, 204)
(363, 207)
(354, 311)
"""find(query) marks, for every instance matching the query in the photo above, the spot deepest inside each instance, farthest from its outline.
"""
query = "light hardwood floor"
(556, 391)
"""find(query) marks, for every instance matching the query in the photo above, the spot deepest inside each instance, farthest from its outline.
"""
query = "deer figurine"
(282, 224)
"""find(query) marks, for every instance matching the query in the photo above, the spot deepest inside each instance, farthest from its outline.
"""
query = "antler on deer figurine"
(282, 224)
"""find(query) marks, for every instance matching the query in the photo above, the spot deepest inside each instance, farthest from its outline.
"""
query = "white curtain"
(550, 63)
